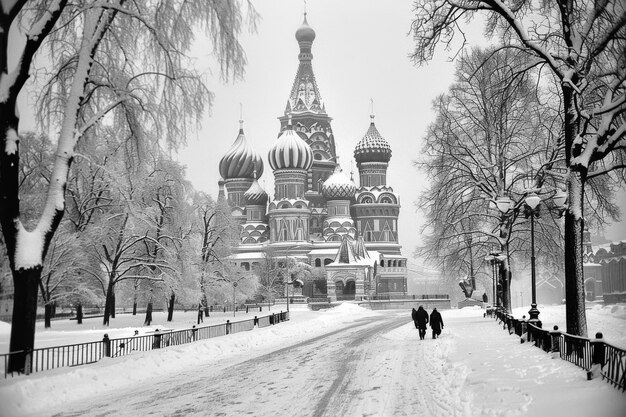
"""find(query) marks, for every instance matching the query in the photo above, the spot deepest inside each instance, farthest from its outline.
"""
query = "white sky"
(360, 52)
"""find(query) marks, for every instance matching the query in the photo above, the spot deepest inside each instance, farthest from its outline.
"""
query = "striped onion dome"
(256, 195)
(338, 186)
(290, 152)
(373, 147)
(240, 160)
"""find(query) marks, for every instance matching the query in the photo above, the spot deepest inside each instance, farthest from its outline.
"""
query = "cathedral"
(348, 234)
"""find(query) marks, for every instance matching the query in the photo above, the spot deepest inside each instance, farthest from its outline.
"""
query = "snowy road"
(359, 370)
(347, 361)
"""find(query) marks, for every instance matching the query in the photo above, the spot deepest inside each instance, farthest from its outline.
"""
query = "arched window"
(382, 263)
(327, 261)
(318, 262)
(245, 266)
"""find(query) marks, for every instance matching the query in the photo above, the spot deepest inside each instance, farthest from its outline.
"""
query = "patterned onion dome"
(338, 186)
(241, 160)
(290, 152)
(373, 147)
(256, 195)
(305, 33)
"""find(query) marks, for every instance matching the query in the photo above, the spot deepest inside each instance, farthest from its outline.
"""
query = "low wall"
(441, 304)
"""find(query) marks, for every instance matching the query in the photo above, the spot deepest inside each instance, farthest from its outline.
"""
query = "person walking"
(436, 323)
(421, 321)
(200, 314)
(414, 317)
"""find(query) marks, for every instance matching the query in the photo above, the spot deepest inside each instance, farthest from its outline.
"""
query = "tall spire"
(305, 95)
(372, 110)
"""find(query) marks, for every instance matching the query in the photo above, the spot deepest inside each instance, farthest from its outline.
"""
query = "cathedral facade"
(347, 233)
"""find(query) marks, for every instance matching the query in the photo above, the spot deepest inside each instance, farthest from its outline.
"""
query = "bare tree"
(489, 133)
(106, 63)
(269, 274)
(581, 44)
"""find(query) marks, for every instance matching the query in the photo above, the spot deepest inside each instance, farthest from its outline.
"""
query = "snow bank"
(52, 388)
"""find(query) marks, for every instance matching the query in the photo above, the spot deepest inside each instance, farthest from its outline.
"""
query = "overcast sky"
(360, 52)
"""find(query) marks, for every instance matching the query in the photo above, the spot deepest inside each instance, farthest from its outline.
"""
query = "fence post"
(28, 361)
(156, 342)
(597, 356)
(247, 309)
(555, 337)
(228, 328)
(106, 345)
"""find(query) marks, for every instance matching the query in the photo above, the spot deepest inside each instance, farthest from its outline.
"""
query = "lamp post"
(532, 209)
(234, 298)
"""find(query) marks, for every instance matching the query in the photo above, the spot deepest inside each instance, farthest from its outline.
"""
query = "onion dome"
(373, 147)
(256, 195)
(240, 160)
(305, 33)
(338, 186)
(290, 151)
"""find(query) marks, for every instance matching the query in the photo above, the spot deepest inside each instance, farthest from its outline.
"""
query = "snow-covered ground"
(488, 371)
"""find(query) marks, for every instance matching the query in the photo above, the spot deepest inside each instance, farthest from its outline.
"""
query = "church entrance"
(347, 291)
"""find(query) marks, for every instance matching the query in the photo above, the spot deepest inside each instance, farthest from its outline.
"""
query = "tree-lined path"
(373, 366)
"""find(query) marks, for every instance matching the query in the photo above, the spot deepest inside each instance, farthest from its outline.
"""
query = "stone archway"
(349, 289)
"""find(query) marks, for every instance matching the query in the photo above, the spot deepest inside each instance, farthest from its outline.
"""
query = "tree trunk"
(575, 317)
(170, 307)
(505, 285)
(47, 315)
(148, 315)
(54, 309)
(135, 307)
(26, 288)
(113, 303)
(79, 313)
(109, 303)
(576, 320)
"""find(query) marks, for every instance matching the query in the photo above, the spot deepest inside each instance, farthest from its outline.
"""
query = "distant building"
(605, 270)
(347, 233)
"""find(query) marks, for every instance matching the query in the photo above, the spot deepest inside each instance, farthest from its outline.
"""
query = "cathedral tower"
(377, 207)
(290, 157)
(239, 168)
(312, 124)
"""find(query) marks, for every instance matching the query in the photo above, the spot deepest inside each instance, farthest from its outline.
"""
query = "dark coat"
(422, 318)
(436, 322)
(414, 317)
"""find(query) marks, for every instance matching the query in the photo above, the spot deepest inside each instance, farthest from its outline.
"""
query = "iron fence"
(84, 353)
(581, 351)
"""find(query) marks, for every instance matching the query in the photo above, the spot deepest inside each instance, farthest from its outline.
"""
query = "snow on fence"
(581, 351)
(44, 359)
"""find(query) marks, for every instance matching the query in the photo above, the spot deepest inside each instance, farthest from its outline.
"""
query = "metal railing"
(581, 351)
(44, 359)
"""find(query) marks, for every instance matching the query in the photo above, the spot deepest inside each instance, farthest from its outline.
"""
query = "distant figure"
(136, 333)
(414, 317)
(200, 312)
(436, 323)
(421, 321)
(485, 298)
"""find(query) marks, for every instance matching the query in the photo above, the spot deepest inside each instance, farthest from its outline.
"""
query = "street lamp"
(532, 209)
(234, 298)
